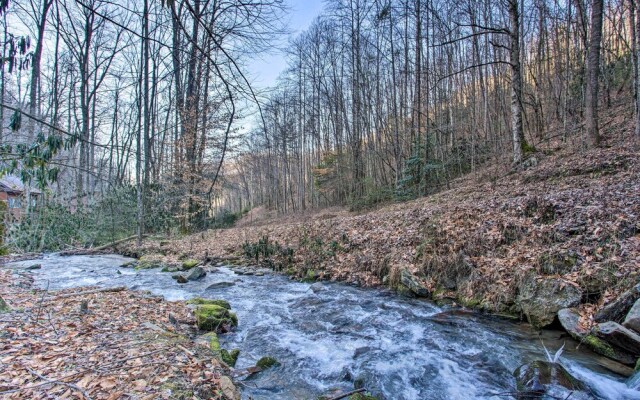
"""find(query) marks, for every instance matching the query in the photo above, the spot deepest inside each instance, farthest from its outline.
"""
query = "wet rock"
(3, 306)
(171, 268)
(570, 320)
(220, 285)
(34, 266)
(179, 278)
(317, 287)
(539, 377)
(259, 273)
(360, 351)
(129, 264)
(619, 336)
(228, 389)
(196, 273)
(412, 282)
(632, 320)
(617, 310)
(405, 291)
(230, 357)
(267, 362)
(602, 347)
(212, 317)
(540, 300)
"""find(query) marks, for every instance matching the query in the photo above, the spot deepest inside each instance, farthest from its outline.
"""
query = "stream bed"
(330, 336)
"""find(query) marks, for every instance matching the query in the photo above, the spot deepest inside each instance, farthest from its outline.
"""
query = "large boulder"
(413, 284)
(196, 273)
(617, 310)
(540, 378)
(632, 320)
(200, 301)
(600, 346)
(570, 320)
(619, 336)
(540, 300)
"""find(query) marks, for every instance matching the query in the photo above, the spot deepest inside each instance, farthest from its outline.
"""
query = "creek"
(331, 335)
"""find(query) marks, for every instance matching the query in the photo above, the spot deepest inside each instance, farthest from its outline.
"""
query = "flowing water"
(332, 335)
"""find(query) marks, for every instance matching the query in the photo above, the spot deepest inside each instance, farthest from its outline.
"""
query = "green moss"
(3, 306)
(214, 343)
(599, 346)
(267, 362)
(469, 302)
(637, 368)
(402, 290)
(149, 262)
(211, 317)
(190, 263)
(230, 357)
(129, 264)
(201, 301)
(310, 276)
(527, 148)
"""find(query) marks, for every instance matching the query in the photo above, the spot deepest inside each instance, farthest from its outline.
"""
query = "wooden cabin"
(13, 192)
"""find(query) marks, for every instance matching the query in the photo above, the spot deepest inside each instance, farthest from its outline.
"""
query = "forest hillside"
(571, 219)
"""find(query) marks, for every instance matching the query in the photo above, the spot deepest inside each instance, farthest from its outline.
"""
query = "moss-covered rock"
(190, 263)
(402, 290)
(212, 317)
(149, 262)
(601, 347)
(212, 340)
(310, 276)
(129, 264)
(267, 362)
(3, 306)
(230, 357)
(200, 301)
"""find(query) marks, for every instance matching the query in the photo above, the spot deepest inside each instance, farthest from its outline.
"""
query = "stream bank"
(330, 337)
(85, 342)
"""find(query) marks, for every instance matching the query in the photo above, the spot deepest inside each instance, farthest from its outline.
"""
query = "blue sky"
(266, 67)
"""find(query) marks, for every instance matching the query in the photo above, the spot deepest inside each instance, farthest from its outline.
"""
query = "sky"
(266, 67)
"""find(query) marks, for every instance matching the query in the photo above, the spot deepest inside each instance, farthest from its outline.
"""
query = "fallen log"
(103, 290)
(99, 249)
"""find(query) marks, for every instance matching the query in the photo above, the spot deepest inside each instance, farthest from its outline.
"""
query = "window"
(34, 201)
(15, 202)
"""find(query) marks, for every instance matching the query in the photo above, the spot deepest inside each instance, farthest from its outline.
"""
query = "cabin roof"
(13, 184)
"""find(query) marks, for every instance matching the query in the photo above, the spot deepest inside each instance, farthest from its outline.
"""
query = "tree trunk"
(635, 55)
(517, 130)
(593, 73)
